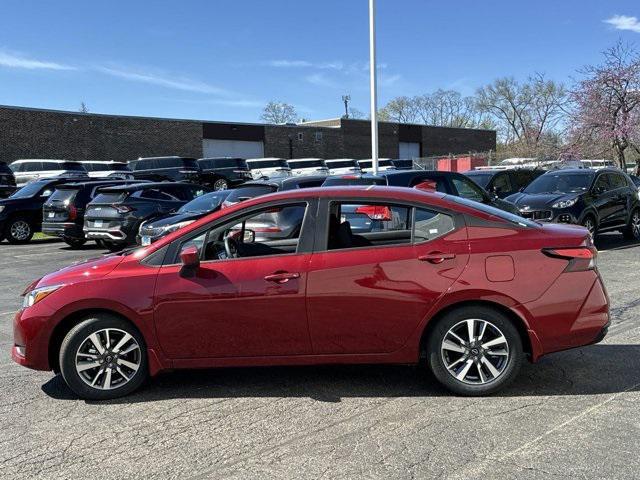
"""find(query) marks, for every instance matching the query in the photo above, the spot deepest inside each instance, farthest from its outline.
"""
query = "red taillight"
(73, 212)
(349, 177)
(375, 212)
(580, 258)
(123, 208)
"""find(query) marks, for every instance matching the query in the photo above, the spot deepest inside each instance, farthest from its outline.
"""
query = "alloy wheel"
(108, 359)
(475, 351)
(635, 225)
(220, 184)
(590, 225)
(20, 230)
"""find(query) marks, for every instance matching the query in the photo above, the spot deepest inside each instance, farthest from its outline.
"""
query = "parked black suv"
(7, 181)
(63, 212)
(115, 214)
(503, 183)
(224, 172)
(601, 200)
(160, 169)
(21, 213)
(158, 227)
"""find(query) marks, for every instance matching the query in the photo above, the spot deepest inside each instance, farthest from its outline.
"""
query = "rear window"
(73, 166)
(65, 195)
(496, 212)
(250, 191)
(110, 197)
(257, 164)
(305, 164)
(340, 164)
(146, 164)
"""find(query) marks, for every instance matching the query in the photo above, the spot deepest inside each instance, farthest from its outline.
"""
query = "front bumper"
(31, 333)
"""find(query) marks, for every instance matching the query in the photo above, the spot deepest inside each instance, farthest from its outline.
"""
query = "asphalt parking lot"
(573, 415)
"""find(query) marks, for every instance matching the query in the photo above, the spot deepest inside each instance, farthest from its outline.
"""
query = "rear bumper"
(63, 229)
(116, 232)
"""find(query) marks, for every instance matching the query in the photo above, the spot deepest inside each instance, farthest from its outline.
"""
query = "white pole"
(374, 91)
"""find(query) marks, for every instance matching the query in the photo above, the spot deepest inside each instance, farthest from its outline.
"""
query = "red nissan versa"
(469, 288)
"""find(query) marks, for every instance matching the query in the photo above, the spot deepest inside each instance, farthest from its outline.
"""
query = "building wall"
(33, 133)
(29, 133)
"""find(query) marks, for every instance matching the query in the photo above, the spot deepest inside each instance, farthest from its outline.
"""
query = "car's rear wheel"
(100, 243)
(220, 184)
(632, 231)
(474, 350)
(18, 230)
(74, 242)
(103, 357)
(590, 224)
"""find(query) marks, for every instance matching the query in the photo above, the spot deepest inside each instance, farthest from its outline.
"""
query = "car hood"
(8, 202)
(82, 271)
(173, 218)
(529, 201)
(502, 205)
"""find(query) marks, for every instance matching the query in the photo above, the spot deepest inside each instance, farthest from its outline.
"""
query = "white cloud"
(321, 80)
(163, 80)
(240, 103)
(624, 22)
(304, 64)
(14, 60)
(389, 80)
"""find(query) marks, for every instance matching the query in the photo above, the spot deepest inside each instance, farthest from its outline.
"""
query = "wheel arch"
(517, 321)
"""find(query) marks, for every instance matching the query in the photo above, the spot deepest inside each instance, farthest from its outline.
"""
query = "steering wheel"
(231, 246)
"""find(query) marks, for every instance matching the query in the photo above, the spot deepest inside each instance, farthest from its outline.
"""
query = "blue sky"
(223, 60)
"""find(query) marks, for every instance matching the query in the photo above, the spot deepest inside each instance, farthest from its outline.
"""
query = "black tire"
(508, 370)
(78, 336)
(589, 222)
(632, 230)
(18, 231)
(100, 243)
(113, 246)
(75, 242)
(220, 184)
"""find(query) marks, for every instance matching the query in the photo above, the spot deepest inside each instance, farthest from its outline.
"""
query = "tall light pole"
(374, 91)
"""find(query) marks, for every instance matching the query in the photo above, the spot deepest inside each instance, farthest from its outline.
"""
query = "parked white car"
(266, 168)
(342, 166)
(28, 170)
(307, 166)
(107, 168)
(384, 164)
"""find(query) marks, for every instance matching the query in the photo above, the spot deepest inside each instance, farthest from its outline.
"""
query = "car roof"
(411, 173)
(285, 181)
(583, 171)
(92, 183)
(103, 162)
(132, 187)
(53, 160)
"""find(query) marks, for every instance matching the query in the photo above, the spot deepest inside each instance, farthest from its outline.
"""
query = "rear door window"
(501, 183)
(617, 181)
(467, 189)
(429, 225)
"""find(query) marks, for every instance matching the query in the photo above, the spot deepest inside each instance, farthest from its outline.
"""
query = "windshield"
(306, 164)
(205, 203)
(496, 212)
(560, 183)
(256, 164)
(29, 190)
(340, 164)
(481, 179)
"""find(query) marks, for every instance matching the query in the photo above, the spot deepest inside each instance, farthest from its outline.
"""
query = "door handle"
(436, 257)
(281, 277)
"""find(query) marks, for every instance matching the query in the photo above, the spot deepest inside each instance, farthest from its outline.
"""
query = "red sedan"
(470, 289)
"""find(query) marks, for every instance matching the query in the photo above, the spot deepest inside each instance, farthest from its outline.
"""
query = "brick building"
(35, 133)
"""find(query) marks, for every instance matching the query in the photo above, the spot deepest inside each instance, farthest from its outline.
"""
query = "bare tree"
(399, 109)
(356, 114)
(607, 104)
(83, 108)
(526, 114)
(279, 112)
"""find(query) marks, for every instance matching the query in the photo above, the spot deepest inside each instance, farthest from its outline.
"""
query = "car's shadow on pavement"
(597, 369)
(614, 241)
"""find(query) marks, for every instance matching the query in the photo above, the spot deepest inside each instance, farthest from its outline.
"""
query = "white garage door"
(409, 150)
(232, 148)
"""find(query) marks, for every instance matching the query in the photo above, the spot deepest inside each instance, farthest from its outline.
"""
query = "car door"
(620, 198)
(237, 307)
(369, 298)
(603, 200)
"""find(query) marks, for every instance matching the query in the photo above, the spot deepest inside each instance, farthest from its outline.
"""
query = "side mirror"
(190, 259)
(249, 236)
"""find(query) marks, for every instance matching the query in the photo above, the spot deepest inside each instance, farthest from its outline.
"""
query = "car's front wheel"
(590, 224)
(103, 357)
(632, 230)
(474, 350)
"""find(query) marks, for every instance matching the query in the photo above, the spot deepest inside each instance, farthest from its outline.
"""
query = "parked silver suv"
(29, 170)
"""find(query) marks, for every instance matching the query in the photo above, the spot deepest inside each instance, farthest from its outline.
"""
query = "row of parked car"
(118, 211)
(218, 173)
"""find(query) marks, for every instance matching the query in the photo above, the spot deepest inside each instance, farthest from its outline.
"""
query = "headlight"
(176, 226)
(565, 203)
(37, 294)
